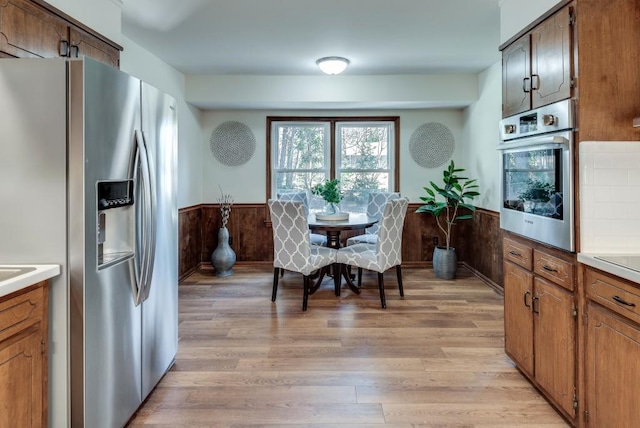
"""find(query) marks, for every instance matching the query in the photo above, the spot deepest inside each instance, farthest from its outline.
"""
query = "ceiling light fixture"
(332, 64)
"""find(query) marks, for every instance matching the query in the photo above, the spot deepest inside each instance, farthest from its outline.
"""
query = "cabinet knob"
(509, 129)
(549, 119)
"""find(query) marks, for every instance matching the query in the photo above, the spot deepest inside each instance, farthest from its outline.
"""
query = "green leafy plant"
(454, 194)
(329, 191)
(537, 190)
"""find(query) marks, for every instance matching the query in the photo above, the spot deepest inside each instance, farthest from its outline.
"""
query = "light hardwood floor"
(432, 359)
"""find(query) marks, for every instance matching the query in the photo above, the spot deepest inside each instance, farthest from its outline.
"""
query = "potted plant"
(445, 203)
(330, 192)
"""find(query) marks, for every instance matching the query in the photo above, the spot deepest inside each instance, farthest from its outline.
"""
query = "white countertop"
(612, 268)
(39, 273)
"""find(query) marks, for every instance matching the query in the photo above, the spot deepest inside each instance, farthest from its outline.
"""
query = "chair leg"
(381, 287)
(359, 277)
(276, 272)
(399, 275)
(281, 272)
(305, 295)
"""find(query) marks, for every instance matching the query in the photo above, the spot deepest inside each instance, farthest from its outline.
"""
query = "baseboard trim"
(485, 279)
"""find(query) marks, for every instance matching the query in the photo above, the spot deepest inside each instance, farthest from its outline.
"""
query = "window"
(360, 152)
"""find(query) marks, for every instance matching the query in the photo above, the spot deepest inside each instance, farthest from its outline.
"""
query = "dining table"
(333, 229)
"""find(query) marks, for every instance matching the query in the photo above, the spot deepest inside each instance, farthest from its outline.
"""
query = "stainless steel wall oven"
(537, 174)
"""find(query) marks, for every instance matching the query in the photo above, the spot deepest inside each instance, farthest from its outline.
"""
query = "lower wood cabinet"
(612, 367)
(540, 323)
(612, 370)
(23, 358)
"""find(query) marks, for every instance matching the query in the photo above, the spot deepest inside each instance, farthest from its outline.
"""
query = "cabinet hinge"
(572, 82)
(42, 343)
(575, 313)
(586, 416)
(575, 403)
(572, 18)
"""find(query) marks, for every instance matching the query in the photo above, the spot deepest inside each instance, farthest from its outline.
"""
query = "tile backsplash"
(609, 196)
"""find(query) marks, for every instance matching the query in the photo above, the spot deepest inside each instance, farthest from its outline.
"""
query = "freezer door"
(160, 305)
(105, 322)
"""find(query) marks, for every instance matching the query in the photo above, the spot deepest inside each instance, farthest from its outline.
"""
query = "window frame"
(333, 144)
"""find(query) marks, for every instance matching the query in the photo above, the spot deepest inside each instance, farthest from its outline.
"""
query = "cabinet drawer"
(554, 269)
(19, 312)
(517, 253)
(617, 295)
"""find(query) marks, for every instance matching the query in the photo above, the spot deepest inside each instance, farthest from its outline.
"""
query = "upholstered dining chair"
(316, 238)
(386, 253)
(292, 249)
(375, 206)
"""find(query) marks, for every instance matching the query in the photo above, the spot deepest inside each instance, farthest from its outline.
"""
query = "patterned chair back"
(291, 245)
(389, 246)
(296, 197)
(375, 206)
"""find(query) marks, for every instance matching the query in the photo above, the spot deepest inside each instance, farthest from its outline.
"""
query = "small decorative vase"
(445, 262)
(223, 257)
(331, 208)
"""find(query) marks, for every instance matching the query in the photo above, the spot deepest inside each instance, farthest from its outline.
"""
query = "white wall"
(481, 136)
(247, 183)
(517, 14)
(140, 63)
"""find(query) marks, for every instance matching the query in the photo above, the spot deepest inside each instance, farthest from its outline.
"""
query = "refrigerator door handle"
(142, 222)
(150, 243)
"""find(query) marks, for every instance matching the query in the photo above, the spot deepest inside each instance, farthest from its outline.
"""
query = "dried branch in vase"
(225, 200)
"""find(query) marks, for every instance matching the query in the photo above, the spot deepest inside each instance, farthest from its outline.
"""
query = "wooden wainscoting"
(478, 242)
(189, 240)
(483, 252)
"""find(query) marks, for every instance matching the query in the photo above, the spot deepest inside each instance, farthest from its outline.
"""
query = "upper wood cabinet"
(28, 29)
(536, 68)
(83, 43)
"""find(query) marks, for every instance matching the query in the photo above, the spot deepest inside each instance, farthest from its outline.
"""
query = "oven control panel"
(553, 117)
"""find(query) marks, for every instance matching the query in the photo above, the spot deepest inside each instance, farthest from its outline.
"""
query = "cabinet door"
(555, 342)
(613, 370)
(516, 80)
(27, 31)
(22, 386)
(518, 319)
(551, 59)
(85, 44)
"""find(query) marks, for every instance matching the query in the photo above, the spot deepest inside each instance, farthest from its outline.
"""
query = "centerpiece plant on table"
(331, 193)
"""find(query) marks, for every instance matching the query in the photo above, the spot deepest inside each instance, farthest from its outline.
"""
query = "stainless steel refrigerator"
(88, 172)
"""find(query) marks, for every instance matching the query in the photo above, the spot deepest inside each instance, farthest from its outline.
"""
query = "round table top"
(356, 221)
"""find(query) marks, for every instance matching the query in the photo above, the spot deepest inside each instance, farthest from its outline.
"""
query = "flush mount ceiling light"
(332, 64)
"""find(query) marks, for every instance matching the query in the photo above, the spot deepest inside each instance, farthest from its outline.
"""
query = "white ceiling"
(286, 37)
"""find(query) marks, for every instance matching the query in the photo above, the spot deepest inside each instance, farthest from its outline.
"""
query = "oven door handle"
(535, 142)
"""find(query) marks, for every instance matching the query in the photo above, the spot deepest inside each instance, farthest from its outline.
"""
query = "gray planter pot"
(445, 262)
(223, 257)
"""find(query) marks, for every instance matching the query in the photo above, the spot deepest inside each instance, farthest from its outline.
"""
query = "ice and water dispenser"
(116, 217)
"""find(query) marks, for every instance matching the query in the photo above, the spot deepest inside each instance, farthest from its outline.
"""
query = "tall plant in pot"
(448, 203)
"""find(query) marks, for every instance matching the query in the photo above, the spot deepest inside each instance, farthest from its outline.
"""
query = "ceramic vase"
(223, 257)
(445, 262)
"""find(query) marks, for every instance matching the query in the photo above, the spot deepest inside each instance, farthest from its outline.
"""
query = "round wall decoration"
(232, 143)
(431, 145)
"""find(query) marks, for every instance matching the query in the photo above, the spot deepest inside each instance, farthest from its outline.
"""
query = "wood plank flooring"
(432, 359)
